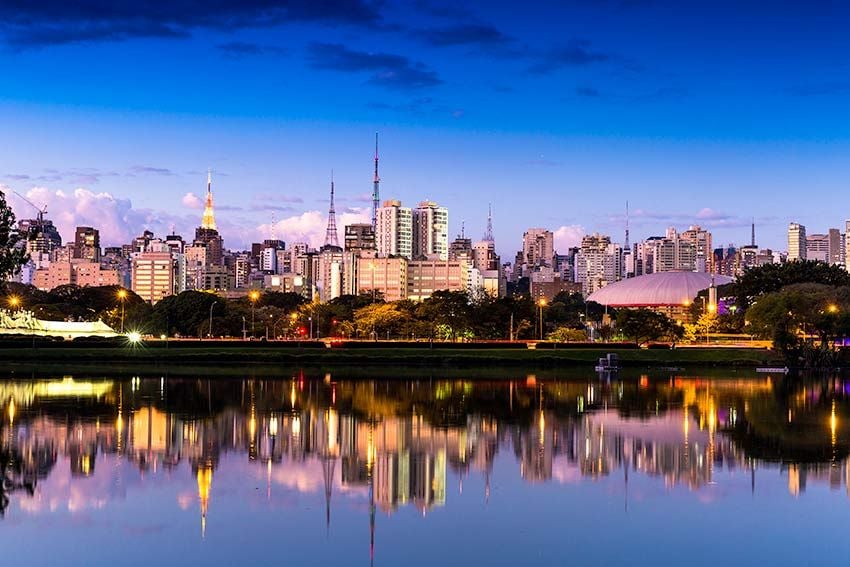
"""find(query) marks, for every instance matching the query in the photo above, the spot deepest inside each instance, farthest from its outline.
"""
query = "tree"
(645, 325)
(773, 277)
(567, 335)
(377, 319)
(449, 309)
(803, 321)
(12, 256)
(186, 313)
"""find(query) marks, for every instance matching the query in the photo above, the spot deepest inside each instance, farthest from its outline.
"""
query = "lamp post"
(14, 302)
(122, 295)
(211, 309)
(541, 304)
(253, 296)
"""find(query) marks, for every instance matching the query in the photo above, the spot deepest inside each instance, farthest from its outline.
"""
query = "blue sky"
(556, 112)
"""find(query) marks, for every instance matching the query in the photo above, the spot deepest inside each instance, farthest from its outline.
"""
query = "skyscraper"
(87, 243)
(796, 242)
(538, 247)
(207, 235)
(430, 231)
(394, 234)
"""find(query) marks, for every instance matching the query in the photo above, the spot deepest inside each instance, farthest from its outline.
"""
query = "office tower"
(87, 243)
(796, 242)
(394, 235)
(430, 231)
(359, 237)
(598, 263)
(153, 275)
(701, 240)
(538, 247)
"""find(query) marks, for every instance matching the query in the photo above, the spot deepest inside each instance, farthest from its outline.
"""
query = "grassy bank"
(196, 354)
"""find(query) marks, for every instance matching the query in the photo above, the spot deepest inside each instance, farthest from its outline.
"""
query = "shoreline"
(260, 354)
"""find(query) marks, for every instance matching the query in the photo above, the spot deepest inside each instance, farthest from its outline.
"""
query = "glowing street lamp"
(122, 295)
(832, 308)
(253, 296)
(14, 302)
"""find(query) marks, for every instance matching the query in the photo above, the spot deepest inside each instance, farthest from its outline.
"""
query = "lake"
(490, 467)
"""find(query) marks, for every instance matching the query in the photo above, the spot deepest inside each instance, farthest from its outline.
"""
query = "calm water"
(319, 469)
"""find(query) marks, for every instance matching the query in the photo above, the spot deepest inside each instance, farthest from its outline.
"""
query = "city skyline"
(689, 120)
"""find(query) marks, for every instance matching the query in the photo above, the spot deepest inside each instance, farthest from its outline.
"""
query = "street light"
(253, 296)
(211, 308)
(541, 304)
(14, 302)
(122, 295)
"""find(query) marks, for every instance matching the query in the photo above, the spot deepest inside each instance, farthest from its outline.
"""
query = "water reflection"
(409, 443)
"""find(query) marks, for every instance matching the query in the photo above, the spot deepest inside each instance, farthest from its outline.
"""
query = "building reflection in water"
(403, 441)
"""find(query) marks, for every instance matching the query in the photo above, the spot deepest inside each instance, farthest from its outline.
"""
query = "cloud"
(192, 201)
(246, 49)
(310, 226)
(465, 34)
(115, 218)
(55, 22)
(387, 70)
(568, 236)
(16, 176)
(576, 53)
(147, 169)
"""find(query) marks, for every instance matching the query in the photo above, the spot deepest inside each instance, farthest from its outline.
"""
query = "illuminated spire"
(331, 238)
(209, 218)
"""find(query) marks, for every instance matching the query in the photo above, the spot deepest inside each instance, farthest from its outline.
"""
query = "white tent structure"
(22, 322)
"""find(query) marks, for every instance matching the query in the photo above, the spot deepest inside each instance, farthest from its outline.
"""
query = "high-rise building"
(598, 263)
(41, 235)
(384, 275)
(430, 231)
(359, 237)
(538, 247)
(701, 240)
(153, 275)
(394, 234)
(87, 243)
(207, 234)
(819, 247)
(424, 277)
(796, 242)
(836, 246)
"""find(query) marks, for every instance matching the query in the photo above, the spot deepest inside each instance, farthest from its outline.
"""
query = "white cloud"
(115, 218)
(568, 236)
(192, 201)
(310, 226)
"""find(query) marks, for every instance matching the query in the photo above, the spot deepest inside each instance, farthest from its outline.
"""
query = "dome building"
(670, 293)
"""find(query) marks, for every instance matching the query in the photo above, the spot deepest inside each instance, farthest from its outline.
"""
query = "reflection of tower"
(328, 465)
(205, 474)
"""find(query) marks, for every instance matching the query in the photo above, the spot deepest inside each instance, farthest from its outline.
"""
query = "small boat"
(772, 370)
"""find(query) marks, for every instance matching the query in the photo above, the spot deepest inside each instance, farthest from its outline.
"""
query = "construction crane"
(41, 211)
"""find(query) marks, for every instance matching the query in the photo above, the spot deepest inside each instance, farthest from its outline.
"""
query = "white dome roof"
(656, 290)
